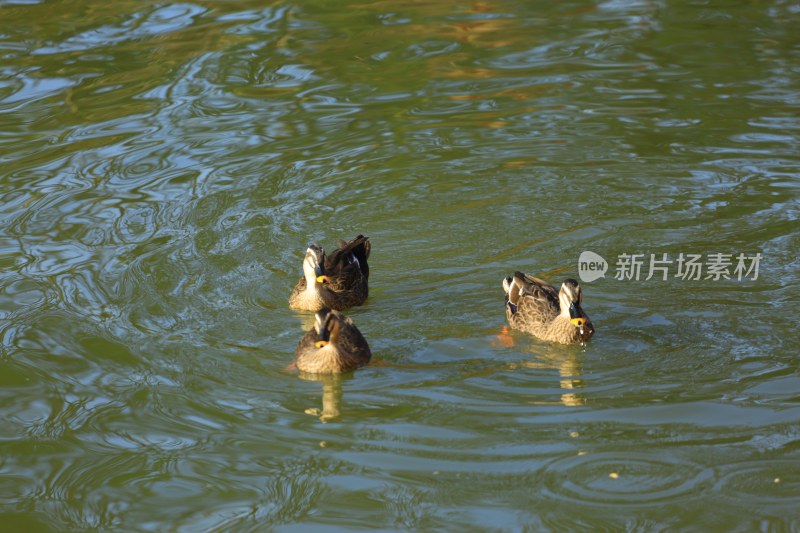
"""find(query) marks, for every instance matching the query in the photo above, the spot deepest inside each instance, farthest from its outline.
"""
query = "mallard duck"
(536, 307)
(335, 282)
(333, 345)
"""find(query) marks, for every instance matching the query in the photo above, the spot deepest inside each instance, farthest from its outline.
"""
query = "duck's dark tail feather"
(359, 248)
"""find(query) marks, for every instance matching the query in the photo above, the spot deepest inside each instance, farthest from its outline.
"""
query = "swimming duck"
(335, 282)
(536, 307)
(333, 345)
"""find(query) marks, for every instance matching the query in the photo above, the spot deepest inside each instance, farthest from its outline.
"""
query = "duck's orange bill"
(321, 344)
(323, 279)
(579, 322)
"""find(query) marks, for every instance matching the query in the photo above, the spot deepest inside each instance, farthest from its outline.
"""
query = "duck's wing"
(542, 293)
(306, 344)
(354, 342)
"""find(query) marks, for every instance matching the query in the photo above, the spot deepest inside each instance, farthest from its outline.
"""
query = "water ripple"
(623, 478)
(139, 25)
(771, 485)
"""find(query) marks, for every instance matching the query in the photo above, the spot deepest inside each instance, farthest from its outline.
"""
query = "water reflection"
(569, 365)
(331, 395)
(566, 360)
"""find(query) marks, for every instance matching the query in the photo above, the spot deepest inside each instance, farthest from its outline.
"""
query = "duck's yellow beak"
(319, 271)
(579, 322)
(321, 344)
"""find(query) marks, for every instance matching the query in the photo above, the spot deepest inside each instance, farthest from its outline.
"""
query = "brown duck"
(335, 282)
(333, 345)
(536, 307)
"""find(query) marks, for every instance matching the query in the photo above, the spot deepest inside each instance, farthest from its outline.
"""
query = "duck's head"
(512, 293)
(326, 326)
(314, 264)
(570, 298)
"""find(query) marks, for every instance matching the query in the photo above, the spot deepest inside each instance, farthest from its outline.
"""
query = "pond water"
(164, 166)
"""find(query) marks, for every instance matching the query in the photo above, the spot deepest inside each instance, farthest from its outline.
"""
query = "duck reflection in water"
(566, 360)
(331, 395)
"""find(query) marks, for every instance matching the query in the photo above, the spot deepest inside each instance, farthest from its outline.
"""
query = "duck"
(333, 345)
(338, 281)
(534, 306)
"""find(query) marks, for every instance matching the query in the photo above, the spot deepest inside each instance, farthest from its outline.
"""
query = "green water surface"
(163, 167)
